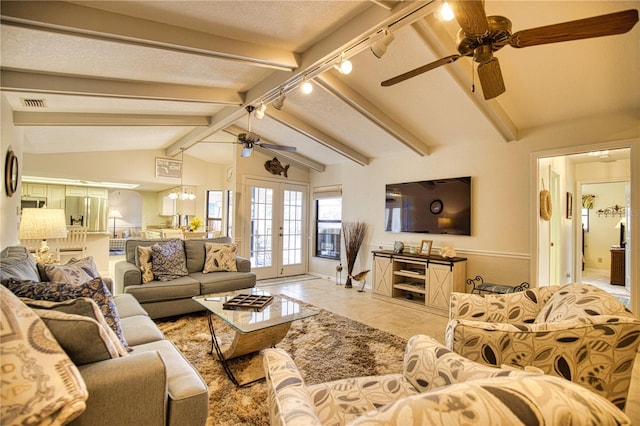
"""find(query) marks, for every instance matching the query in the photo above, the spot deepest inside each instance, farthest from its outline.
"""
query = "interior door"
(276, 229)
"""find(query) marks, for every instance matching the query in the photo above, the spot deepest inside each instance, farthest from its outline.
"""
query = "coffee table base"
(245, 343)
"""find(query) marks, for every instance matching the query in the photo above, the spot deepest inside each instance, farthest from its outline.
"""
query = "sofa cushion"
(57, 292)
(578, 301)
(40, 384)
(522, 400)
(168, 261)
(85, 307)
(75, 271)
(17, 262)
(84, 339)
(196, 252)
(220, 257)
(224, 281)
(156, 291)
(140, 329)
(128, 306)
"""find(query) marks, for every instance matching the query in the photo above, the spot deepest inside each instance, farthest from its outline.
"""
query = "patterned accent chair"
(576, 331)
(436, 387)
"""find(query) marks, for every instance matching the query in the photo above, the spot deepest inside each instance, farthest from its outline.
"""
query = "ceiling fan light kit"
(480, 36)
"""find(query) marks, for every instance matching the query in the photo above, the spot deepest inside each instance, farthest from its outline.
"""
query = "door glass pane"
(292, 228)
(261, 227)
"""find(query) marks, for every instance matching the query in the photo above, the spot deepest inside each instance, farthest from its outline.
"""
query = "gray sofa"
(153, 384)
(168, 298)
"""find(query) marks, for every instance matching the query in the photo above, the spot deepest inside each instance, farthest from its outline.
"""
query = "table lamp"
(115, 214)
(42, 224)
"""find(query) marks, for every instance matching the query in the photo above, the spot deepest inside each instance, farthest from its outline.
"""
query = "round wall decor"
(436, 207)
(11, 174)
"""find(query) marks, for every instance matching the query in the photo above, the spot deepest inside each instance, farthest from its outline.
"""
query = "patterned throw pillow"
(573, 301)
(58, 292)
(40, 384)
(76, 271)
(220, 257)
(144, 260)
(168, 261)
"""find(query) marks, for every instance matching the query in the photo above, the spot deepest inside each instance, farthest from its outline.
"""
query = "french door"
(276, 229)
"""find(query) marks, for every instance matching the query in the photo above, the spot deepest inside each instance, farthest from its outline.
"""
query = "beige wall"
(505, 217)
(10, 139)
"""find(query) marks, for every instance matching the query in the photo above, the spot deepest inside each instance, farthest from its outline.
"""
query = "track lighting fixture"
(446, 13)
(259, 112)
(344, 66)
(379, 48)
(279, 102)
(307, 87)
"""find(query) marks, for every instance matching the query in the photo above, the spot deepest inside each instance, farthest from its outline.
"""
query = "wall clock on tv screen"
(436, 206)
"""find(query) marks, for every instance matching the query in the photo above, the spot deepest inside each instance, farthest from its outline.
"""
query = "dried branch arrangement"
(353, 234)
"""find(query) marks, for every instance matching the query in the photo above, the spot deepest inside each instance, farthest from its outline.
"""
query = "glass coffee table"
(254, 328)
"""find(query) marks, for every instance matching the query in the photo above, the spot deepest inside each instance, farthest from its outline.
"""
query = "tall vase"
(354, 233)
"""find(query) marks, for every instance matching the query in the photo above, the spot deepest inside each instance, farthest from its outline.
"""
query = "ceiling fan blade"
(491, 78)
(417, 71)
(278, 147)
(597, 26)
(471, 16)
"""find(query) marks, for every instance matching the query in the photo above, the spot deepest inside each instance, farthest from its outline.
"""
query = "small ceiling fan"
(250, 139)
(480, 35)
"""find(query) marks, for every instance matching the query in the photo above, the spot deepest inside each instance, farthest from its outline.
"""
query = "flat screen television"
(441, 206)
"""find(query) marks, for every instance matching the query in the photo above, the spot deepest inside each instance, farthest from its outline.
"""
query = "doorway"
(567, 249)
(276, 229)
(605, 241)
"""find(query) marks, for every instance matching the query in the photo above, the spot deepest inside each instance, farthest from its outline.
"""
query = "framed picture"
(166, 167)
(425, 247)
(569, 205)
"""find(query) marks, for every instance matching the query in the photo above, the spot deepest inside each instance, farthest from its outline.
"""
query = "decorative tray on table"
(248, 302)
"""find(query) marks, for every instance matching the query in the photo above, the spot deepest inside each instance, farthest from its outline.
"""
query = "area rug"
(325, 347)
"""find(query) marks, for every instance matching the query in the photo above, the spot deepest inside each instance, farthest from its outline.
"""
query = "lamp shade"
(42, 224)
(115, 214)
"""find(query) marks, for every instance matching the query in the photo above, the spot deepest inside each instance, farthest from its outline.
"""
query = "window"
(585, 219)
(214, 212)
(328, 227)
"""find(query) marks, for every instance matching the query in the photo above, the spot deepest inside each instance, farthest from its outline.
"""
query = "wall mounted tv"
(441, 206)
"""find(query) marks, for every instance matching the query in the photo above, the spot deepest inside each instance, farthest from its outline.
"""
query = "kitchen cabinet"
(80, 191)
(34, 190)
(97, 192)
(55, 196)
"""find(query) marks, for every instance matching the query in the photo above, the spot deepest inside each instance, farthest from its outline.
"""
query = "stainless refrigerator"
(87, 211)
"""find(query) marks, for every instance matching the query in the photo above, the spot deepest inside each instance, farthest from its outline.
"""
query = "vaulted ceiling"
(173, 75)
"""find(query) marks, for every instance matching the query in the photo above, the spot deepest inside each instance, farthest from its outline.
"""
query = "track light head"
(344, 66)
(307, 87)
(379, 48)
(279, 102)
(259, 112)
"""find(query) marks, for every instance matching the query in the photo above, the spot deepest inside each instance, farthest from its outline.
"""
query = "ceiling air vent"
(34, 103)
